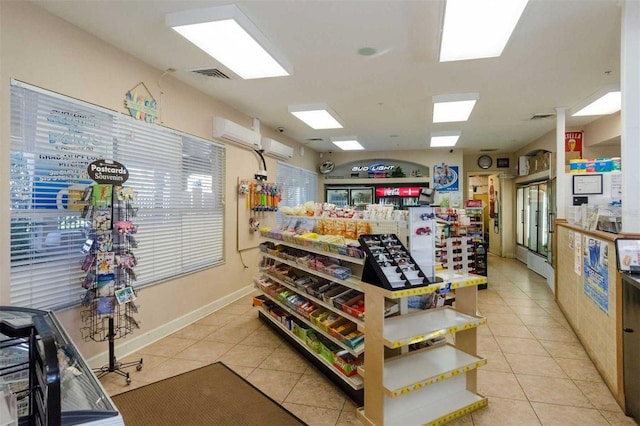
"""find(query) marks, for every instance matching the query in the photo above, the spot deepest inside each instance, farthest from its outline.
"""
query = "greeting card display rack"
(109, 262)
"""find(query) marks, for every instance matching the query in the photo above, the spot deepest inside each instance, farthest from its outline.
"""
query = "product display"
(109, 265)
(431, 385)
(389, 264)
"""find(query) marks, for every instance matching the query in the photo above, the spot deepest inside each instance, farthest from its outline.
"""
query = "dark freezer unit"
(48, 381)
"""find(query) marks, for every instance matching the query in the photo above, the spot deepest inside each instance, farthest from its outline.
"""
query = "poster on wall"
(596, 272)
(445, 178)
(572, 146)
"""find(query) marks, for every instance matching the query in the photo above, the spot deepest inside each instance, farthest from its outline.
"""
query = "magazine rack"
(109, 262)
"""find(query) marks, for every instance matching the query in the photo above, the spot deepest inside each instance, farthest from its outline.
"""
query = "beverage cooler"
(352, 196)
(401, 197)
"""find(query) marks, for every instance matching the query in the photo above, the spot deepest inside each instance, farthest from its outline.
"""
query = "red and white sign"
(573, 142)
(473, 203)
(398, 192)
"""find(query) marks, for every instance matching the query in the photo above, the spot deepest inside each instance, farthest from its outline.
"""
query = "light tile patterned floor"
(537, 370)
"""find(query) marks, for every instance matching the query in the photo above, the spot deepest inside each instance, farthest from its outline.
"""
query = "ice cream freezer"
(43, 378)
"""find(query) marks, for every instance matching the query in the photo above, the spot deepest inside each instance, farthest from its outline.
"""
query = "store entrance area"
(537, 370)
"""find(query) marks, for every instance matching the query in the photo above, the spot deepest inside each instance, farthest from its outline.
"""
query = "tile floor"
(537, 371)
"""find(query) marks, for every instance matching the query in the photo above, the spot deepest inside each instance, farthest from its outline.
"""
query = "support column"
(561, 176)
(630, 115)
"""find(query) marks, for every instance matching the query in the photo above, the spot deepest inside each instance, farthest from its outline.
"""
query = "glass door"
(543, 219)
(533, 218)
(551, 196)
(525, 216)
(360, 197)
(338, 196)
(520, 216)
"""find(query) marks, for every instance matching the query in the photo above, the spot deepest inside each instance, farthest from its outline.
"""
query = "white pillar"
(630, 115)
(561, 176)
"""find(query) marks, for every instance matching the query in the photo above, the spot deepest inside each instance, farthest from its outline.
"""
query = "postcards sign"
(108, 172)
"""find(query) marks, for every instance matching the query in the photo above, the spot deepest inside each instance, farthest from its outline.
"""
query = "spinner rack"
(118, 324)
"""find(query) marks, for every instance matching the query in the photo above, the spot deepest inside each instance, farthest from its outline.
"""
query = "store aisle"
(537, 371)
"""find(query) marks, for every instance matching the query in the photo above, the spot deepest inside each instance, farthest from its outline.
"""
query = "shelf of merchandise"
(428, 386)
(350, 259)
(315, 300)
(354, 351)
(355, 382)
(351, 282)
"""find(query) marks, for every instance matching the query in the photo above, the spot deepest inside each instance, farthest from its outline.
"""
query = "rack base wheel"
(128, 379)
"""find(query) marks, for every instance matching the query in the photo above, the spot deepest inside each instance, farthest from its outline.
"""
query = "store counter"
(589, 293)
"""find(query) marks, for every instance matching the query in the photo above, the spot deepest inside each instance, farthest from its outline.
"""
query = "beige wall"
(42, 50)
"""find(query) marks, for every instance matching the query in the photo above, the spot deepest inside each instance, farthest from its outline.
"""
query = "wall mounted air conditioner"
(277, 149)
(228, 131)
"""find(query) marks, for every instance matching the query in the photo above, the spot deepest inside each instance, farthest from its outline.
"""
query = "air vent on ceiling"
(211, 72)
(541, 116)
(314, 139)
(488, 149)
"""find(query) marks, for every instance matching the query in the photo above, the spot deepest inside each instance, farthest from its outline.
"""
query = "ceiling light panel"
(227, 35)
(453, 108)
(476, 29)
(348, 144)
(444, 139)
(316, 116)
(606, 104)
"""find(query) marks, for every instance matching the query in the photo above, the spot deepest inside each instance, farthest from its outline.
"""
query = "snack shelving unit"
(394, 385)
(353, 385)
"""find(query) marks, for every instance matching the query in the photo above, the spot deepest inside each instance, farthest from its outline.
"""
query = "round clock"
(485, 161)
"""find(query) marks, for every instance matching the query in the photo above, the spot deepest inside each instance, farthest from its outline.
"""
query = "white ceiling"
(561, 53)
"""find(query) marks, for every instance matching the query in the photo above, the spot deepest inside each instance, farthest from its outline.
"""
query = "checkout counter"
(602, 304)
(628, 262)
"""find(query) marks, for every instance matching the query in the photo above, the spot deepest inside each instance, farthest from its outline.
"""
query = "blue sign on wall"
(445, 178)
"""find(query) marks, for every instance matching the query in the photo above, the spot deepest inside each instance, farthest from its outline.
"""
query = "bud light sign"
(373, 168)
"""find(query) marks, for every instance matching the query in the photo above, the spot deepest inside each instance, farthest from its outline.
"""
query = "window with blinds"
(178, 181)
(298, 185)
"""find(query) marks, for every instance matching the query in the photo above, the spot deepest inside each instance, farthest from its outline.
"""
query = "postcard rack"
(30, 365)
(109, 263)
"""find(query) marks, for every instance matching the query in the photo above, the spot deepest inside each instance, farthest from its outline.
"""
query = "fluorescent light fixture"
(476, 29)
(227, 35)
(316, 116)
(444, 139)
(453, 108)
(607, 104)
(350, 144)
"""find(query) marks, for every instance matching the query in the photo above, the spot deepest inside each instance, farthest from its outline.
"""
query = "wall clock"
(485, 161)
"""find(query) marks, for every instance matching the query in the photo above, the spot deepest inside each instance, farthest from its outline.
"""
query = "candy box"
(347, 363)
(355, 306)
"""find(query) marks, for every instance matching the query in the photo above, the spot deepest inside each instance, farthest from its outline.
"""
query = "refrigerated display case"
(50, 381)
(534, 206)
(357, 197)
(401, 197)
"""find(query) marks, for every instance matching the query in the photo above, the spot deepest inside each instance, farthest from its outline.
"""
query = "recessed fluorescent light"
(444, 139)
(348, 144)
(453, 108)
(316, 116)
(478, 28)
(606, 104)
(227, 35)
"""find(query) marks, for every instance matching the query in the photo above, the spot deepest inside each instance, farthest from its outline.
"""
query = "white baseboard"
(132, 345)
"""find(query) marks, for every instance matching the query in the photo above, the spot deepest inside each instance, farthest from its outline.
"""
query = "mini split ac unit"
(277, 149)
(229, 131)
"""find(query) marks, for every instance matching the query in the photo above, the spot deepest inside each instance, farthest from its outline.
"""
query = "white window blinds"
(298, 185)
(178, 180)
